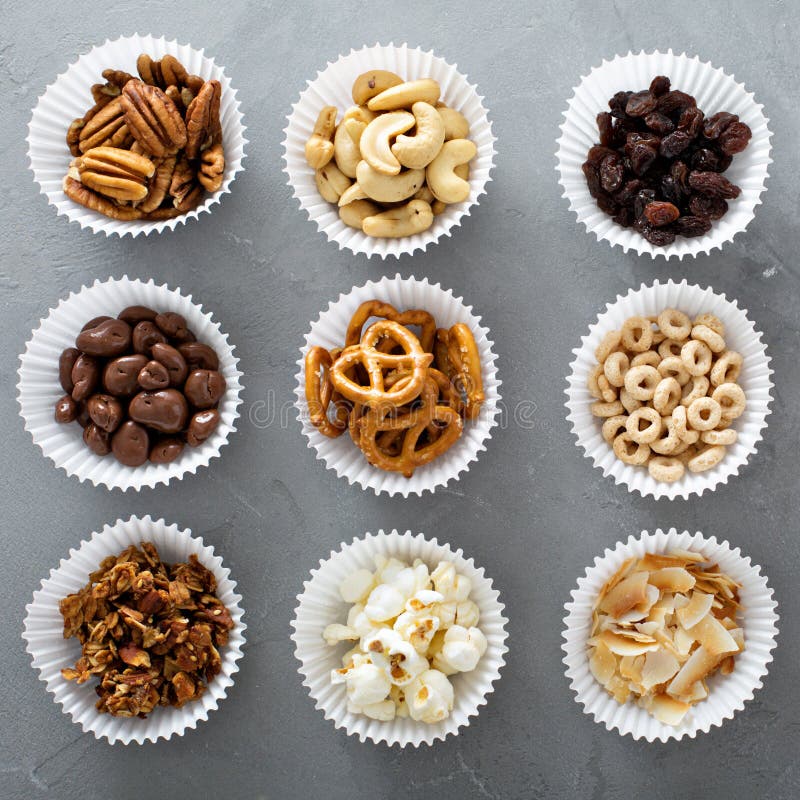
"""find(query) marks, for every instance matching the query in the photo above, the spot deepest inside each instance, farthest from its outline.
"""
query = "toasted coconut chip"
(737, 634)
(668, 710)
(659, 667)
(680, 601)
(625, 646)
(699, 666)
(603, 664)
(630, 668)
(697, 692)
(688, 555)
(683, 643)
(627, 594)
(619, 690)
(672, 579)
(697, 608)
(641, 610)
(712, 635)
(619, 575)
(648, 628)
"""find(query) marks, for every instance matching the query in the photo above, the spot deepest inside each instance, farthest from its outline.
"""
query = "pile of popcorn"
(412, 629)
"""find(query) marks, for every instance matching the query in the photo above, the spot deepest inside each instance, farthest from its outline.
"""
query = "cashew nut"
(372, 83)
(319, 148)
(404, 95)
(360, 113)
(438, 207)
(388, 188)
(413, 217)
(416, 152)
(425, 194)
(345, 149)
(353, 214)
(375, 142)
(455, 123)
(354, 193)
(442, 180)
(462, 170)
(331, 182)
(355, 127)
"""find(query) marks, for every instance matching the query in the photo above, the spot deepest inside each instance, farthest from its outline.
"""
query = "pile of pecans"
(150, 147)
(150, 631)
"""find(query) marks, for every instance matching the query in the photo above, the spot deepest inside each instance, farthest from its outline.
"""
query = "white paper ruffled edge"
(740, 335)
(38, 387)
(714, 91)
(727, 693)
(340, 454)
(332, 87)
(320, 604)
(69, 97)
(50, 652)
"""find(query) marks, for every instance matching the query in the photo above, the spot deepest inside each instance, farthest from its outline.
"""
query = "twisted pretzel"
(377, 445)
(463, 354)
(412, 360)
(375, 308)
(320, 393)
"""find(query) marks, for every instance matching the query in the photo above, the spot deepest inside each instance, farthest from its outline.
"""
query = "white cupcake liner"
(50, 652)
(727, 693)
(332, 86)
(38, 388)
(320, 604)
(341, 454)
(714, 91)
(740, 335)
(69, 97)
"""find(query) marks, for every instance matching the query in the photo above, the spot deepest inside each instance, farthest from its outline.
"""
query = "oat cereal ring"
(727, 368)
(666, 445)
(606, 409)
(666, 469)
(710, 321)
(615, 367)
(704, 334)
(609, 393)
(658, 337)
(625, 449)
(708, 458)
(704, 414)
(608, 344)
(697, 387)
(641, 382)
(649, 358)
(591, 382)
(673, 367)
(674, 324)
(637, 334)
(644, 425)
(667, 396)
(680, 421)
(731, 399)
(696, 357)
(725, 437)
(630, 404)
(670, 347)
(613, 427)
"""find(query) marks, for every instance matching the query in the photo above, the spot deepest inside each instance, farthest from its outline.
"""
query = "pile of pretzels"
(403, 398)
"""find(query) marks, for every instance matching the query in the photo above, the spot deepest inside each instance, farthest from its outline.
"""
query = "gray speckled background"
(533, 511)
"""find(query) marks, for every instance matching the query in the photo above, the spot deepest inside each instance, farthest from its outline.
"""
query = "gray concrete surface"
(533, 511)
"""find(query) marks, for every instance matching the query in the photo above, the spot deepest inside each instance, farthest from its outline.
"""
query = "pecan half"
(104, 127)
(152, 119)
(202, 119)
(212, 167)
(81, 194)
(174, 94)
(117, 78)
(115, 173)
(149, 70)
(159, 185)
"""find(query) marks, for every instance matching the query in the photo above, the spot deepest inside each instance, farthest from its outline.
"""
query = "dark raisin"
(624, 217)
(704, 205)
(660, 85)
(673, 102)
(714, 184)
(637, 137)
(675, 143)
(659, 213)
(592, 178)
(611, 173)
(680, 173)
(691, 121)
(628, 192)
(670, 191)
(641, 156)
(706, 160)
(604, 125)
(640, 104)
(735, 138)
(659, 123)
(617, 104)
(641, 201)
(692, 226)
(597, 153)
(605, 202)
(717, 123)
(660, 237)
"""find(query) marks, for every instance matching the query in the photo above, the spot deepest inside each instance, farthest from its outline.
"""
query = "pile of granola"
(150, 631)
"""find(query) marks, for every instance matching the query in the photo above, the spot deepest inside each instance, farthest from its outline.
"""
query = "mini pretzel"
(637, 334)
(615, 367)
(375, 308)
(666, 469)
(704, 414)
(710, 337)
(727, 368)
(666, 396)
(625, 449)
(674, 324)
(319, 393)
(641, 382)
(731, 399)
(463, 353)
(652, 425)
(696, 357)
(413, 360)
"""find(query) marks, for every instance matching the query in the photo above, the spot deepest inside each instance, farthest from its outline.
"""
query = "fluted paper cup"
(332, 86)
(69, 97)
(341, 454)
(38, 387)
(727, 693)
(50, 652)
(740, 335)
(715, 91)
(320, 605)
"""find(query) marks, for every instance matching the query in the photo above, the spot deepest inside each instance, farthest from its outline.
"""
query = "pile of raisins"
(658, 167)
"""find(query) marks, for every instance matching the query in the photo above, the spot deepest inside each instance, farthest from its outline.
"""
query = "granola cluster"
(150, 631)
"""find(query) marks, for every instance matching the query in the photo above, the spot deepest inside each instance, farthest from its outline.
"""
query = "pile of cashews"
(396, 160)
